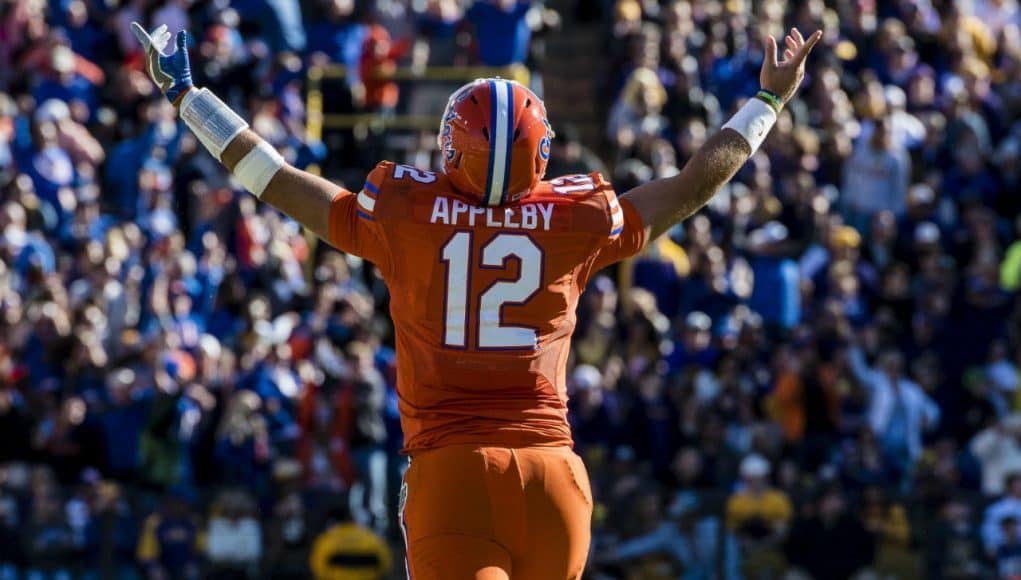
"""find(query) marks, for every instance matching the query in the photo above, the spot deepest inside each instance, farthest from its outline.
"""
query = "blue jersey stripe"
(372, 188)
(362, 214)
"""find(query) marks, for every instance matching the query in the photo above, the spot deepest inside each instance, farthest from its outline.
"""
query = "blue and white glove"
(213, 122)
(171, 73)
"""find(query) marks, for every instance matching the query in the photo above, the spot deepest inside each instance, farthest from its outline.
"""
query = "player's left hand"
(171, 73)
(783, 78)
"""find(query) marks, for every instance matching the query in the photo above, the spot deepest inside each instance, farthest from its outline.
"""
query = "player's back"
(483, 300)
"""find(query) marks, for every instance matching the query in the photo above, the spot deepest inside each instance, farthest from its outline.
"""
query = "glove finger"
(182, 40)
(160, 38)
(141, 35)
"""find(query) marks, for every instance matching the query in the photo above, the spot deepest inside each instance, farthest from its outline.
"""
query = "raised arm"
(304, 197)
(664, 202)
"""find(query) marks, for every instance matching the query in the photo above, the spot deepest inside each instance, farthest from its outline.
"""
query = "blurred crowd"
(815, 377)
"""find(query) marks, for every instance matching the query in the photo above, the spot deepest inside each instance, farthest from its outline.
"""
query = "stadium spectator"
(170, 543)
(828, 541)
(876, 176)
(1008, 555)
(233, 538)
(997, 449)
(776, 293)
(887, 521)
(368, 433)
(438, 26)
(955, 548)
(242, 445)
(899, 411)
(111, 535)
(288, 539)
(501, 30)
(378, 63)
(759, 516)
(663, 546)
(1009, 505)
(571, 156)
(48, 537)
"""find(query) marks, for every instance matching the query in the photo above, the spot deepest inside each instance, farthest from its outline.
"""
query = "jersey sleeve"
(622, 236)
(356, 221)
(627, 232)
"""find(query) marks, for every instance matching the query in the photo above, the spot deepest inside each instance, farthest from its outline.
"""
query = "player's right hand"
(783, 78)
(171, 73)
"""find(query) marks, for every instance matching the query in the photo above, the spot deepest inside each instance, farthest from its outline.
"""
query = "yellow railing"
(318, 120)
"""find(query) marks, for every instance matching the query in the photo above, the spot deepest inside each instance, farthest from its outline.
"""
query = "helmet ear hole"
(485, 133)
(528, 103)
(517, 133)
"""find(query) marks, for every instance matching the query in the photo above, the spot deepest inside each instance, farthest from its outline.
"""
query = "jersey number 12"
(490, 333)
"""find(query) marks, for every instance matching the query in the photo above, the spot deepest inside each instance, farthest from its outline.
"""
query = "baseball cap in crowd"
(1008, 152)
(287, 469)
(210, 346)
(586, 377)
(162, 223)
(628, 10)
(53, 110)
(91, 476)
(698, 320)
(754, 465)
(921, 193)
(926, 233)
(845, 237)
(895, 97)
(769, 233)
(62, 59)
(603, 284)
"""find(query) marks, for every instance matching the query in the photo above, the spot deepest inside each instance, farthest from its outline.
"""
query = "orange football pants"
(494, 513)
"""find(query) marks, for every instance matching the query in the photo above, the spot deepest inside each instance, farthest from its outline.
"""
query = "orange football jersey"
(483, 298)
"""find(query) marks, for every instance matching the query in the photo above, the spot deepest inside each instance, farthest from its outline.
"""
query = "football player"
(485, 262)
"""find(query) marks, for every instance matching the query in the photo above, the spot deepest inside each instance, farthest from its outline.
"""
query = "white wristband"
(213, 122)
(753, 121)
(258, 167)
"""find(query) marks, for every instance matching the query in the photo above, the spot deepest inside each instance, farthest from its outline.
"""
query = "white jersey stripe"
(367, 203)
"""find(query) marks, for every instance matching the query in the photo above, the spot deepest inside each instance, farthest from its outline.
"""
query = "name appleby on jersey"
(527, 216)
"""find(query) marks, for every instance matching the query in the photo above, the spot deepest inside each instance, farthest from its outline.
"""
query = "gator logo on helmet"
(544, 145)
(447, 133)
(446, 137)
(451, 115)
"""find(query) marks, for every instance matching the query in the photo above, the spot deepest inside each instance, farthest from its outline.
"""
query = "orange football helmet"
(495, 140)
